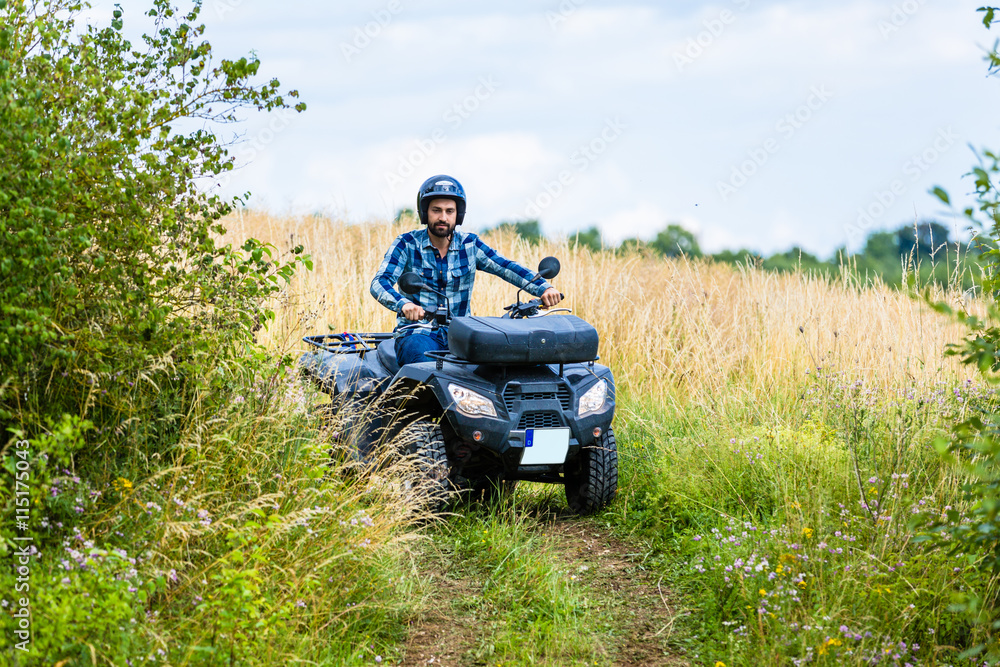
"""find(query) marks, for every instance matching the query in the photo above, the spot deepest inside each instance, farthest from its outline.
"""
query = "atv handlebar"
(412, 283)
(517, 311)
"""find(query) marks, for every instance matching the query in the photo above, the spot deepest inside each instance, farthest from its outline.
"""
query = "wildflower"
(807, 532)
(719, 663)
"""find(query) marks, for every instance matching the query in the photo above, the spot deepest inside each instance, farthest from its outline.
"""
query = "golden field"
(670, 329)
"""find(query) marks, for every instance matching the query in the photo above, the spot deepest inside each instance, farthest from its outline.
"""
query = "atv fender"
(426, 388)
(338, 374)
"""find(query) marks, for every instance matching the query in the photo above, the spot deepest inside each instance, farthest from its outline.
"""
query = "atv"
(515, 397)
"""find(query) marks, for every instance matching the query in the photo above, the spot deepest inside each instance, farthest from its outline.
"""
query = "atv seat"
(387, 355)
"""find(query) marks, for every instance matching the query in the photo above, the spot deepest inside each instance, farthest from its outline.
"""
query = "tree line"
(924, 249)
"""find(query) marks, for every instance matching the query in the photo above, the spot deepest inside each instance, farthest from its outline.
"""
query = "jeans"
(410, 349)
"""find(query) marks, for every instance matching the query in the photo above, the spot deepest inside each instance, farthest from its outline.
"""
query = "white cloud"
(641, 221)
(558, 84)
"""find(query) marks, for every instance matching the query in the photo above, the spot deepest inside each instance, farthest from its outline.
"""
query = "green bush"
(110, 265)
(115, 292)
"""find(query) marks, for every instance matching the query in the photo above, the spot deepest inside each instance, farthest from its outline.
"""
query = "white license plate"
(545, 446)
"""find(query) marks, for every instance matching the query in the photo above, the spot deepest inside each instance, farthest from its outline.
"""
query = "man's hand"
(551, 297)
(413, 312)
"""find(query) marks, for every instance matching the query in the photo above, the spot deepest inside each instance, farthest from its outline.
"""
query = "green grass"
(790, 533)
(239, 544)
(530, 609)
(785, 528)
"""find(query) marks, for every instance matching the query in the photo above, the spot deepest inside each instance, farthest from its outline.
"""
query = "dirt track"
(640, 611)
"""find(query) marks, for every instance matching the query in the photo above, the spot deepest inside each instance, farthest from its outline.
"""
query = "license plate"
(545, 446)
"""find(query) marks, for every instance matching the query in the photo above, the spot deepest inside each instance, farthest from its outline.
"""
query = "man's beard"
(441, 234)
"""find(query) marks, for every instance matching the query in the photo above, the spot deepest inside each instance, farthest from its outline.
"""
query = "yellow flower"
(719, 663)
(780, 569)
(808, 532)
(123, 485)
(833, 641)
(762, 592)
(822, 649)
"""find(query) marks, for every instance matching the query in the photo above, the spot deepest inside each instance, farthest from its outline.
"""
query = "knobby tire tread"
(594, 486)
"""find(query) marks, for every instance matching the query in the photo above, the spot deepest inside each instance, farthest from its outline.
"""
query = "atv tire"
(431, 473)
(592, 477)
(354, 433)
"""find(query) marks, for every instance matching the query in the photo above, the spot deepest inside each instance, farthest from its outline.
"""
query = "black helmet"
(441, 187)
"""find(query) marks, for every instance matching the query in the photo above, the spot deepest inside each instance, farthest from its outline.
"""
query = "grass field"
(776, 435)
(775, 430)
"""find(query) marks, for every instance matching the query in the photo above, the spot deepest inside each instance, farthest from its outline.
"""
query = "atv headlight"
(593, 399)
(471, 403)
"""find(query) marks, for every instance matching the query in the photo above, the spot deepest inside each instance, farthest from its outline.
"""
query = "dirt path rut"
(638, 611)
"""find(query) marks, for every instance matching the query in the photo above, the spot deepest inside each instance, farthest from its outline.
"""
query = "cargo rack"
(348, 343)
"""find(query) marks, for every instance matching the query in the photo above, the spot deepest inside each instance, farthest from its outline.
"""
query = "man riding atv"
(447, 261)
(480, 402)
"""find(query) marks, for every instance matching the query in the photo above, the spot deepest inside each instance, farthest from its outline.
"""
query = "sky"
(752, 123)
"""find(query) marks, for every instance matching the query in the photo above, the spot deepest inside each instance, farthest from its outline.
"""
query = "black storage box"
(554, 339)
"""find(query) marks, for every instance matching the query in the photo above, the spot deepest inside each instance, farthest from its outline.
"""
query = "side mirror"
(548, 268)
(411, 282)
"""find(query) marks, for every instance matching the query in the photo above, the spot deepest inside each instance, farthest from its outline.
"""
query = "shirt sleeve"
(383, 284)
(489, 260)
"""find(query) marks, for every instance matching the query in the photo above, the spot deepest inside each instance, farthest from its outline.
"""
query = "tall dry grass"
(721, 431)
(688, 330)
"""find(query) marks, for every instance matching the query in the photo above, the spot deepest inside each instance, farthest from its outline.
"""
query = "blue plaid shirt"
(452, 276)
